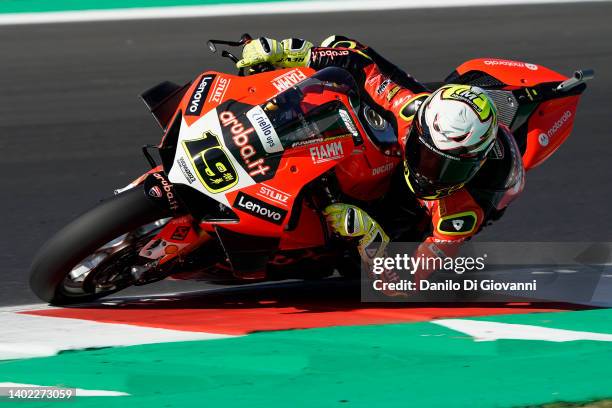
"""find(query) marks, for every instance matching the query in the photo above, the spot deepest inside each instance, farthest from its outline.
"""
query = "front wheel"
(94, 255)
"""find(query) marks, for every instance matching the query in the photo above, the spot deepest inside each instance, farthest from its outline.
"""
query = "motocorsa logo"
(259, 209)
(196, 102)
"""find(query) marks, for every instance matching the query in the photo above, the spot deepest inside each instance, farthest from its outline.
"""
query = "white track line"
(482, 330)
(289, 7)
(28, 336)
(25, 308)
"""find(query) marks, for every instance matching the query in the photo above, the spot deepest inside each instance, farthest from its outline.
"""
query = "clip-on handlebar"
(244, 39)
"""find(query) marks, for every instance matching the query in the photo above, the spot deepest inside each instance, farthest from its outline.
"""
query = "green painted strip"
(419, 364)
(35, 6)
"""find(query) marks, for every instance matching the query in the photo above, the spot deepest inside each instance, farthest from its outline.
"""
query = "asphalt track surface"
(71, 124)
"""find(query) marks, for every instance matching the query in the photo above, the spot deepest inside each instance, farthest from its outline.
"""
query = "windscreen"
(299, 119)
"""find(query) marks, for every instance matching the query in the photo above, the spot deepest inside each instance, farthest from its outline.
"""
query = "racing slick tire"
(110, 219)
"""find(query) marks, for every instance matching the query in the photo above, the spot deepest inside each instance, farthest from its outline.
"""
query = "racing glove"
(297, 52)
(292, 52)
(350, 221)
(259, 51)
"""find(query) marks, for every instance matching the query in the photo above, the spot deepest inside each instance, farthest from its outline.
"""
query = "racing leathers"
(396, 96)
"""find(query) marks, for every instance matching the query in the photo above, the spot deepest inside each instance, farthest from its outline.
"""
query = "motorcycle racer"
(446, 136)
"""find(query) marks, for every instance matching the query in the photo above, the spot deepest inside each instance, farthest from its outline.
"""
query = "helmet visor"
(433, 170)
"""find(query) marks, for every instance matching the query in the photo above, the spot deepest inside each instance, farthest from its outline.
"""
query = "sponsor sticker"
(559, 123)
(476, 100)
(264, 129)
(458, 224)
(545, 137)
(411, 106)
(180, 233)
(155, 192)
(167, 188)
(346, 118)
(497, 152)
(508, 63)
(196, 102)
(241, 138)
(220, 88)
(259, 209)
(381, 88)
(385, 168)
(307, 142)
(391, 94)
(288, 79)
(274, 194)
(326, 152)
(328, 53)
(185, 170)
(400, 101)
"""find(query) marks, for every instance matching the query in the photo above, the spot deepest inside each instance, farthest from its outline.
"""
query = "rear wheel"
(95, 254)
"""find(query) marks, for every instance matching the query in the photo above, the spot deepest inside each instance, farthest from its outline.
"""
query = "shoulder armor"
(411, 106)
(457, 224)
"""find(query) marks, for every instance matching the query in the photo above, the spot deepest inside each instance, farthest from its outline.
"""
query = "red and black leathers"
(396, 96)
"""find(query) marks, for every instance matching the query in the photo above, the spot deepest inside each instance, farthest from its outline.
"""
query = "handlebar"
(244, 39)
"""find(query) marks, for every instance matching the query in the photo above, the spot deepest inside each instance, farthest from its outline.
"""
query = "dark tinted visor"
(427, 164)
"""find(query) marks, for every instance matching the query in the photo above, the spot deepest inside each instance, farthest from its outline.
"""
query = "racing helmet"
(452, 132)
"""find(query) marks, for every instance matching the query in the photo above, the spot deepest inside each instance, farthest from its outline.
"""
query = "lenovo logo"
(259, 209)
(196, 102)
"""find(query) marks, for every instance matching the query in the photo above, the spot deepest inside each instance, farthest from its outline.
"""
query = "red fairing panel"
(551, 123)
(548, 128)
(513, 73)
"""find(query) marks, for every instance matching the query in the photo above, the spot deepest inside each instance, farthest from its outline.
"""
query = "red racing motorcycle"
(245, 162)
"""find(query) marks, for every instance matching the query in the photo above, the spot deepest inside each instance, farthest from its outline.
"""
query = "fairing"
(256, 156)
(540, 117)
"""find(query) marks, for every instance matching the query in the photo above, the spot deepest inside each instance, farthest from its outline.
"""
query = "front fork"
(178, 237)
